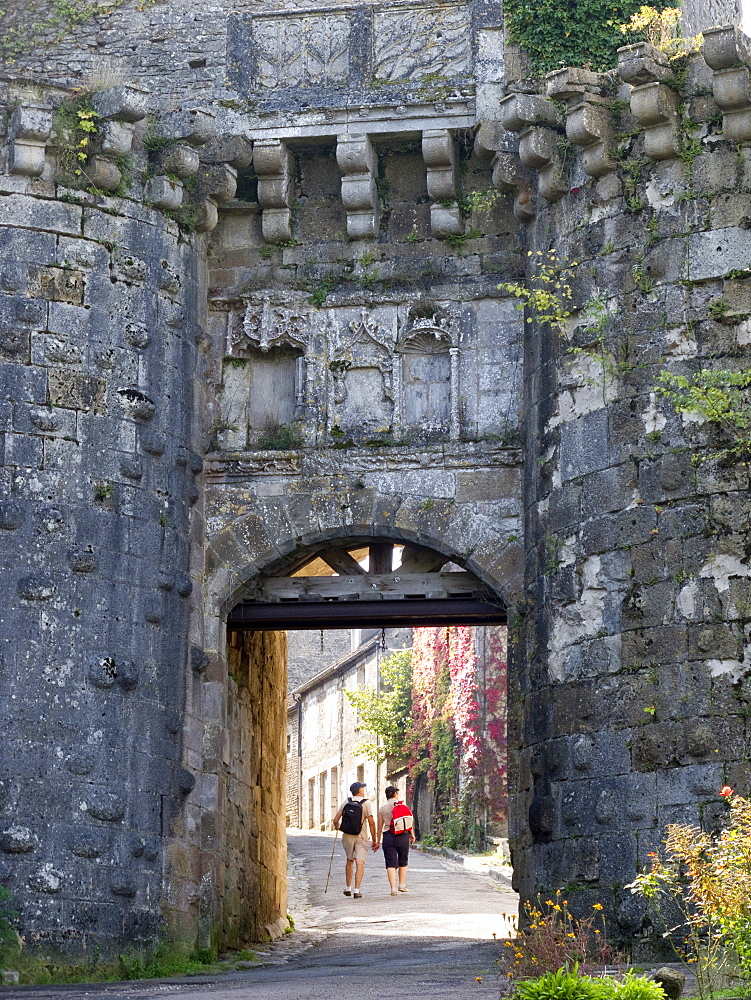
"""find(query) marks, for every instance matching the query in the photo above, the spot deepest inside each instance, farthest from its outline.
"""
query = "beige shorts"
(355, 848)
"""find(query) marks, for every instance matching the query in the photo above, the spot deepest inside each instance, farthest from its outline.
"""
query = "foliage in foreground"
(569, 984)
(706, 880)
(554, 939)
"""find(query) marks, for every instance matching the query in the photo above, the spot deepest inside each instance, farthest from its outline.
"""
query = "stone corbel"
(538, 123)
(274, 166)
(29, 129)
(727, 51)
(643, 63)
(654, 104)
(588, 118)
(491, 143)
(359, 166)
(440, 159)
(120, 108)
(509, 175)
(655, 107)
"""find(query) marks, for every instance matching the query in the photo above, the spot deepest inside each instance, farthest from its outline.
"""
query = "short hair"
(391, 791)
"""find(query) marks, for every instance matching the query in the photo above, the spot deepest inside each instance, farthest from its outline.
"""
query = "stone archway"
(237, 699)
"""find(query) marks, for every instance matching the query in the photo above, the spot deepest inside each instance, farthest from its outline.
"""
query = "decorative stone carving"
(359, 166)
(274, 166)
(29, 128)
(429, 374)
(265, 325)
(303, 51)
(417, 41)
(727, 51)
(537, 121)
(362, 377)
(440, 159)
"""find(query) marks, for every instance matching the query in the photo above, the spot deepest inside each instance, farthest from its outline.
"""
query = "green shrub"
(280, 437)
(564, 984)
(567, 984)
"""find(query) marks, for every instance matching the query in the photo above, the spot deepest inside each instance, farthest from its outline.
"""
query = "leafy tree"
(386, 714)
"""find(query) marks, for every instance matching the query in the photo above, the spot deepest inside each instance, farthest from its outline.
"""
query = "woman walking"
(395, 833)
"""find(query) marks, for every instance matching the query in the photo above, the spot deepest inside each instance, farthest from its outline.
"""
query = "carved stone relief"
(308, 50)
(429, 376)
(419, 41)
(361, 368)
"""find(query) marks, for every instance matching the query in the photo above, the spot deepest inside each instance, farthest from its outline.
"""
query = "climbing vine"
(558, 33)
(457, 741)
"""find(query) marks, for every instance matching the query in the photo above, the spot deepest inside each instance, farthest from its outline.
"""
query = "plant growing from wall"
(548, 295)
(558, 33)
(280, 437)
(9, 946)
(387, 714)
(722, 398)
(50, 21)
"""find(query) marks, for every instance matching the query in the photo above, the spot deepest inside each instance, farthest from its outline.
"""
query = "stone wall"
(97, 492)
(632, 708)
(253, 893)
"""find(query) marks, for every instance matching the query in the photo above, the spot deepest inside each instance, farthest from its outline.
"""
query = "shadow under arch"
(277, 531)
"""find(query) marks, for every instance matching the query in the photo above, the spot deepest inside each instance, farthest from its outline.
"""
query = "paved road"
(431, 943)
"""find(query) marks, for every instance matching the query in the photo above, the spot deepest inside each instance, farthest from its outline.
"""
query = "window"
(289, 742)
(311, 802)
(334, 790)
(322, 799)
(361, 772)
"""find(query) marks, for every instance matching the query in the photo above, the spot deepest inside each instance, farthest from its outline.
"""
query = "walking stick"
(331, 862)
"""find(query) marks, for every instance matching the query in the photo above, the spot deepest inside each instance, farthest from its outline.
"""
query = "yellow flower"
(507, 944)
(557, 907)
(548, 902)
(596, 931)
(570, 934)
(596, 906)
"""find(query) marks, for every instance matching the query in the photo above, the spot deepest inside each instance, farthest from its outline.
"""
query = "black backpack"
(352, 818)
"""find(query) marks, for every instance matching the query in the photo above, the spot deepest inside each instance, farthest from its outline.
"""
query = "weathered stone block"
(73, 390)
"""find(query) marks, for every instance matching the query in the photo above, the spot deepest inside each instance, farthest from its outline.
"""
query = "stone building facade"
(280, 327)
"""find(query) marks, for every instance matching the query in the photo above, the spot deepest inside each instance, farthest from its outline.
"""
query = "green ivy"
(558, 33)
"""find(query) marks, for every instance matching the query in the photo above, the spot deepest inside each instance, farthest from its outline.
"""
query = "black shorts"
(395, 849)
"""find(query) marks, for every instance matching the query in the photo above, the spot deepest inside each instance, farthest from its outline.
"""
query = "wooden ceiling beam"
(342, 562)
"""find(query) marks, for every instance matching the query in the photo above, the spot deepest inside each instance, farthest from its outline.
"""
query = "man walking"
(395, 843)
(354, 818)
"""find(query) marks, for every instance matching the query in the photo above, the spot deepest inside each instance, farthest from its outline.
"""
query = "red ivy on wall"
(459, 708)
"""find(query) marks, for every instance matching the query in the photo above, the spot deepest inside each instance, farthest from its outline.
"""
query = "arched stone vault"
(279, 528)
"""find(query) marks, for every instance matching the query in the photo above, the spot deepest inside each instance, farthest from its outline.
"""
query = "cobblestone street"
(433, 942)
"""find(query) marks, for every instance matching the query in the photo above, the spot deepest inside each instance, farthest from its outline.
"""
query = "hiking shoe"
(357, 895)
(347, 892)
(403, 888)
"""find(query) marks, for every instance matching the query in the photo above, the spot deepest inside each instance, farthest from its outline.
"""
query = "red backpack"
(401, 818)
